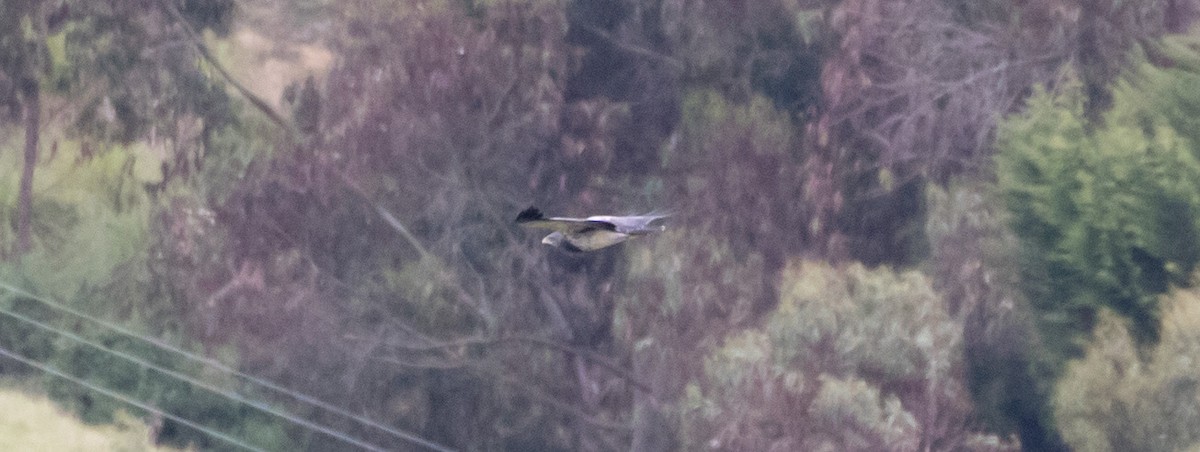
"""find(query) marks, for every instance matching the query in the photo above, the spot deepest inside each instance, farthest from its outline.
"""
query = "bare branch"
(636, 50)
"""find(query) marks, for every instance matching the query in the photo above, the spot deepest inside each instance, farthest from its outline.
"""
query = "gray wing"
(569, 225)
(532, 218)
(634, 224)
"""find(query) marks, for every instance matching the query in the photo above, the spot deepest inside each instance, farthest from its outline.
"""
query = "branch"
(441, 274)
(589, 355)
(552, 401)
(387, 216)
(504, 377)
(614, 368)
(636, 50)
(198, 43)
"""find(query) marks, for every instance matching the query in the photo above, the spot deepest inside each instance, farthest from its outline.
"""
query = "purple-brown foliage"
(434, 119)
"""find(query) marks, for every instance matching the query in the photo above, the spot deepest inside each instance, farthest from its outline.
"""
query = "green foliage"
(843, 403)
(1105, 210)
(22, 58)
(870, 322)
(23, 338)
(166, 392)
(366, 259)
(769, 48)
(95, 244)
(1117, 398)
(852, 359)
(1106, 214)
(124, 83)
(229, 154)
(89, 220)
(1170, 93)
(93, 252)
(766, 129)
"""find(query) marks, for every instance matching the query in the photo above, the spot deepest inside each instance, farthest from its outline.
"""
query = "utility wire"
(116, 395)
(231, 395)
(222, 367)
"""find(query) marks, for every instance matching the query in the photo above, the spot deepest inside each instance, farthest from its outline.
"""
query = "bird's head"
(554, 239)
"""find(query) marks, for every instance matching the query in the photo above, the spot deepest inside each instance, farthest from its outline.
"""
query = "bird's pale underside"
(591, 233)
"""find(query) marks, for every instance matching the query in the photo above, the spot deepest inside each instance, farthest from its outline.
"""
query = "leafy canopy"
(851, 359)
(1113, 399)
(1106, 212)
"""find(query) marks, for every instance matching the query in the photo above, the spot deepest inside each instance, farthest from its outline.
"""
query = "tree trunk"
(25, 197)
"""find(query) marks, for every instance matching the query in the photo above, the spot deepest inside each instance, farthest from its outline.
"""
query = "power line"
(222, 367)
(121, 397)
(231, 395)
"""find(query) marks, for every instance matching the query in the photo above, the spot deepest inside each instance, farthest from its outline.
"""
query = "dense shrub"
(852, 359)
(1106, 213)
(78, 261)
(1118, 397)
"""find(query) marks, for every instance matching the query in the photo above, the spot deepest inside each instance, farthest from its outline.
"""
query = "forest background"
(898, 225)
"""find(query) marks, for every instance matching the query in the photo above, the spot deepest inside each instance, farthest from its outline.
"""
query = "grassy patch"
(30, 421)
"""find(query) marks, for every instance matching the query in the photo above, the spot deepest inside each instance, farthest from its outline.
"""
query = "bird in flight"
(591, 233)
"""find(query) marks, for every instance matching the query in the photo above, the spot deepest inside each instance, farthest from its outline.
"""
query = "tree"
(911, 92)
(1105, 213)
(380, 228)
(117, 74)
(1121, 397)
(852, 359)
(122, 89)
(914, 92)
(23, 61)
(1108, 217)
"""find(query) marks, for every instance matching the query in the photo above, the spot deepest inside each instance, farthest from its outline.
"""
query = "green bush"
(95, 252)
(851, 359)
(90, 234)
(1106, 213)
(1112, 399)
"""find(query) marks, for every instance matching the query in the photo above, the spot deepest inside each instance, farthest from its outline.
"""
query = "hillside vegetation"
(289, 224)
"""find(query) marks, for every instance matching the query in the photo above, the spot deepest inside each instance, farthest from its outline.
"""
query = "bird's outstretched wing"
(533, 218)
(633, 224)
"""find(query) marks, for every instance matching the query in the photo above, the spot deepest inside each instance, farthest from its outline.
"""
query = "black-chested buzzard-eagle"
(591, 233)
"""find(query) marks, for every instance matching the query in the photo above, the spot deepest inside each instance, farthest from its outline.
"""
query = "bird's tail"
(530, 214)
